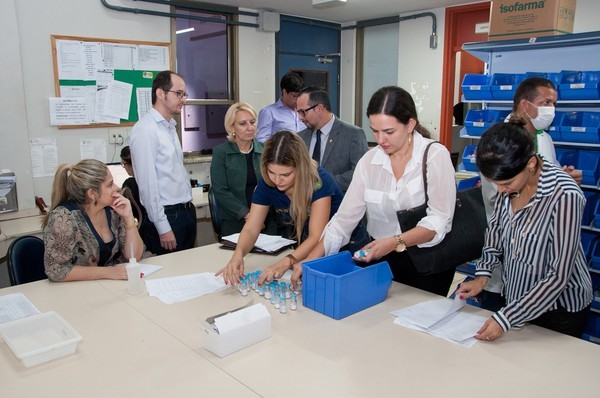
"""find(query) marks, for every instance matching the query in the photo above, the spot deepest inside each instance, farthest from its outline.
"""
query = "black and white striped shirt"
(540, 249)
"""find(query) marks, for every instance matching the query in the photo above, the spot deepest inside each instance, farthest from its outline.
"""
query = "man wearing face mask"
(533, 103)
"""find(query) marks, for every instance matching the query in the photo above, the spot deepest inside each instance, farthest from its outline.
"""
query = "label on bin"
(577, 85)
(473, 88)
(478, 124)
(508, 87)
(577, 129)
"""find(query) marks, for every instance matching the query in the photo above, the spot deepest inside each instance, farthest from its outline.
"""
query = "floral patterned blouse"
(70, 239)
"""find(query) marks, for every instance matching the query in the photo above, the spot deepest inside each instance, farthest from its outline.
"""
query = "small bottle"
(134, 277)
(268, 292)
(293, 302)
(244, 287)
(282, 304)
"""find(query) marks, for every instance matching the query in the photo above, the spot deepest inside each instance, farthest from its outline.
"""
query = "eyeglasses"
(302, 112)
(179, 94)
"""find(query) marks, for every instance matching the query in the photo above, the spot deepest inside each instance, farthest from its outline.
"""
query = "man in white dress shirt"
(165, 189)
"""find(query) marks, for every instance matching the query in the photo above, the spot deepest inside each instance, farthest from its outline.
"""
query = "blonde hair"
(230, 117)
(285, 148)
(71, 182)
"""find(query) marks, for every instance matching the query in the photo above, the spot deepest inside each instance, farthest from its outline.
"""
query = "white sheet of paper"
(16, 306)
(180, 288)
(93, 148)
(441, 318)
(149, 269)
(68, 111)
(44, 156)
(144, 100)
(118, 99)
(428, 313)
(70, 60)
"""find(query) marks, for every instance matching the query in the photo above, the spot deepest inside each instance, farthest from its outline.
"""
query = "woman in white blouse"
(389, 178)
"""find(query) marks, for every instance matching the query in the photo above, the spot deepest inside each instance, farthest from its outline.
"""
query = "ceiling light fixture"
(327, 3)
(184, 31)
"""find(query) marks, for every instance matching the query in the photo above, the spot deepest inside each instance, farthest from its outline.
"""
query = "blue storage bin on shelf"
(589, 163)
(595, 255)
(335, 286)
(592, 327)
(468, 183)
(554, 128)
(479, 120)
(468, 158)
(476, 87)
(590, 209)
(580, 127)
(567, 157)
(503, 85)
(582, 85)
(555, 77)
(596, 219)
(588, 240)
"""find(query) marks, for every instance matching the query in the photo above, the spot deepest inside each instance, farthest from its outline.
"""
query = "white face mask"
(544, 118)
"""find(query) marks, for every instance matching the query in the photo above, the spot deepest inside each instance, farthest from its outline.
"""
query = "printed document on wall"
(43, 156)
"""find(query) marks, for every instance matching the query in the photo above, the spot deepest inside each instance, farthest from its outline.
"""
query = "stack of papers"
(16, 306)
(266, 244)
(181, 288)
(441, 318)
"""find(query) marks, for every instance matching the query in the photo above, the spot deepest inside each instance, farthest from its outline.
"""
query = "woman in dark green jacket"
(235, 168)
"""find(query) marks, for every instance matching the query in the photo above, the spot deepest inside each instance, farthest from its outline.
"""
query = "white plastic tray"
(40, 338)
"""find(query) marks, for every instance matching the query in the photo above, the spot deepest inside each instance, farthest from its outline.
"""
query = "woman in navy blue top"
(303, 195)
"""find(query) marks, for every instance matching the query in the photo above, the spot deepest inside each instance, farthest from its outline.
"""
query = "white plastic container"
(40, 338)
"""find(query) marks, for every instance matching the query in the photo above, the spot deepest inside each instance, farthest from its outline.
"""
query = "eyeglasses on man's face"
(302, 112)
(179, 94)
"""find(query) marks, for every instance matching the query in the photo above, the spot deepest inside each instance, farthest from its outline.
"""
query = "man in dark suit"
(335, 145)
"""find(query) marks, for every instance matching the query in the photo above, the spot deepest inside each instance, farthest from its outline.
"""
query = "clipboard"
(227, 245)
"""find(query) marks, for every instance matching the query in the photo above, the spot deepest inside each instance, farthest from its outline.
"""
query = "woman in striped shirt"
(535, 234)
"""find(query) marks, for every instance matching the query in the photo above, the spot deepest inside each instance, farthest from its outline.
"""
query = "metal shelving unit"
(546, 54)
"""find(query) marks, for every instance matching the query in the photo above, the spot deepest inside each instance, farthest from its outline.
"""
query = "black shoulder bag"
(465, 240)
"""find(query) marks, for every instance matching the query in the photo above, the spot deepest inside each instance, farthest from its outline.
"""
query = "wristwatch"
(134, 225)
(400, 244)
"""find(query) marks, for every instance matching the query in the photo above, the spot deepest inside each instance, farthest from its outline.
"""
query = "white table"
(309, 354)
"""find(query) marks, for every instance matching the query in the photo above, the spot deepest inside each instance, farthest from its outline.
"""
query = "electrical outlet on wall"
(116, 136)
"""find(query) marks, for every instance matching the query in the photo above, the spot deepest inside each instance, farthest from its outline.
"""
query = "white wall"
(420, 67)
(29, 24)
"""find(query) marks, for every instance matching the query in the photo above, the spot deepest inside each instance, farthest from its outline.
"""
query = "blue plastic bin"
(468, 183)
(592, 327)
(567, 157)
(503, 85)
(478, 121)
(580, 127)
(589, 163)
(582, 85)
(335, 286)
(595, 255)
(468, 158)
(554, 128)
(596, 218)
(589, 212)
(588, 240)
(476, 87)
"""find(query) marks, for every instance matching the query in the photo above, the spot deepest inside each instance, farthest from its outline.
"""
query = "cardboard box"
(237, 330)
(516, 19)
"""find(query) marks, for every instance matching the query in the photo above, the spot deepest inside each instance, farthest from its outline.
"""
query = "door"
(312, 49)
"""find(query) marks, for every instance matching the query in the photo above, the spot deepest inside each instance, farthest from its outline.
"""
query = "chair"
(25, 260)
(214, 214)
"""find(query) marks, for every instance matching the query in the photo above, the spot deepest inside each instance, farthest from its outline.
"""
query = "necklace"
(249, 150)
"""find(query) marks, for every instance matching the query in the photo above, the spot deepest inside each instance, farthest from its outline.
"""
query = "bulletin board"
(104, 82)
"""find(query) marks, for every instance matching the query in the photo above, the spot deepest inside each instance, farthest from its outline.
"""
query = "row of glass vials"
(279, 293)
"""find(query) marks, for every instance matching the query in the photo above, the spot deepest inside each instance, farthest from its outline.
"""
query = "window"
(204, 58)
